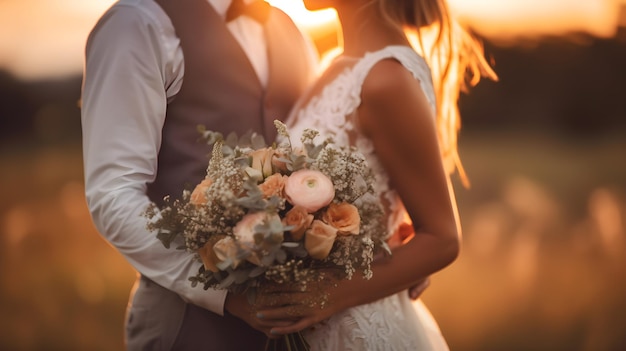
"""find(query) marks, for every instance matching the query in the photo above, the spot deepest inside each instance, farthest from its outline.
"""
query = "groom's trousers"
(159, 320)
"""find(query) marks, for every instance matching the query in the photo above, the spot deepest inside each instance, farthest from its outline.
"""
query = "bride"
(379, 96)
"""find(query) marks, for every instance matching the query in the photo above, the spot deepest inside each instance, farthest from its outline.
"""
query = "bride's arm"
(396, 115)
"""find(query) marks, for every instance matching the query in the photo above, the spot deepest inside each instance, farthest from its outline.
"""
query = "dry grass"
(542, 267)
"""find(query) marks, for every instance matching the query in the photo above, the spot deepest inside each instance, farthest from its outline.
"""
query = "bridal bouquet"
(276, 214)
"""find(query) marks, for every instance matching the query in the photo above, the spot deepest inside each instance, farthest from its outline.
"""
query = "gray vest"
(221, 90)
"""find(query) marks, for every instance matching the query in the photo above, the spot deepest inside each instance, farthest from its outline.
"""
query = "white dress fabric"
(394, 323)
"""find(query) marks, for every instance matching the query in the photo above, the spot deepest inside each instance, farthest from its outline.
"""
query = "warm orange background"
(543, 265)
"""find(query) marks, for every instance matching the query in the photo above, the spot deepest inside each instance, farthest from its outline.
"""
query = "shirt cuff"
(210, 299)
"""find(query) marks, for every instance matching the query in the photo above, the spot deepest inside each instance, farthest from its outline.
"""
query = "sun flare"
(52, 34)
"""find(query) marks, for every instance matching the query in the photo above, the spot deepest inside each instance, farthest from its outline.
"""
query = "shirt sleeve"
(129, 71)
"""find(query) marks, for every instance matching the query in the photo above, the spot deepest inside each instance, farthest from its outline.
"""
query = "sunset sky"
(44, 39)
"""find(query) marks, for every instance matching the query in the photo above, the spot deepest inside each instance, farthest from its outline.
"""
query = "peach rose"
(345, 217)
(300, 219)
(227, 248)
(319, 239)
(273, 185)
(309, 189)
(262, 160)
(198, 195)
(244, 229)
(244, 232)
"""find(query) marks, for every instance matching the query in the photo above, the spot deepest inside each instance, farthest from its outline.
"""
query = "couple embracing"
(155, 69)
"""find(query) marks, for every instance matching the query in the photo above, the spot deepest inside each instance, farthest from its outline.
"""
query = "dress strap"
(410, 59)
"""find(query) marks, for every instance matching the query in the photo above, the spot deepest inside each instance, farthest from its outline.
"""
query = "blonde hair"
(456, 60)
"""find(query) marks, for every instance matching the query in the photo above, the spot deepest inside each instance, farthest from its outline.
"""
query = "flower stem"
(289, 342)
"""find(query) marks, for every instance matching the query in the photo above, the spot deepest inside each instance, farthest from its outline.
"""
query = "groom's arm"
(127, 70)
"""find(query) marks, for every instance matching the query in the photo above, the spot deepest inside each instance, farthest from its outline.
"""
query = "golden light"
(42, 38)
(309, 20)
(507, 20)
(322, 26)
(46, 38)
(504, 22)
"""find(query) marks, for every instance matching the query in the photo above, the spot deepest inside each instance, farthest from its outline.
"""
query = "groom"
(154, 70)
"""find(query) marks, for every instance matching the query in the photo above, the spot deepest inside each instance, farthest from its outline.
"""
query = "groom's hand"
(416, 290)
(404, 233)
(238, 306)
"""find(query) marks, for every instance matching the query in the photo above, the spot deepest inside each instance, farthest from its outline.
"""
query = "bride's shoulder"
(391, 62)
(395, 72)
(391, 96)
(388, 78)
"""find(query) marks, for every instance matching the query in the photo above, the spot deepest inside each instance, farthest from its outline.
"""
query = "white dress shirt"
(134, 65)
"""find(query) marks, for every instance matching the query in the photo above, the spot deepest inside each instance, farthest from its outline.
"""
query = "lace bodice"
(334, 113)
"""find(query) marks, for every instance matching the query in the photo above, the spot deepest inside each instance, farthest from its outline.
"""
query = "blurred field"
(542, 268)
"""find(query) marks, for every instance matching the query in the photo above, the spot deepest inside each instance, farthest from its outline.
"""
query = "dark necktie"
(257, 10)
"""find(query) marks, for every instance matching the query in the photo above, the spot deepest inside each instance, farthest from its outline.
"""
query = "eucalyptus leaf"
(245, 140)
(231, 140)
(276, 225)
(209, 136)
(300, 251)
(275, 238)
(290, 244)
(275, 202)
(298, 162)
(166, 237)
(281, 256)
(225, 264)
(258, 142)
(257, 271)
(228, 281)
(254, 174)
(283, 160)
(267, 259)
(243, 162)
(252, 203)
(385, 247)
(240, 275)
(288, 227)
(314, 152)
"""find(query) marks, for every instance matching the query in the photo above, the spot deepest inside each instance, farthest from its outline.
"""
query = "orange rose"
(345, 217)
(319, 239)
(198, 196)
(310, 189)
(273, 185)
(300, 219)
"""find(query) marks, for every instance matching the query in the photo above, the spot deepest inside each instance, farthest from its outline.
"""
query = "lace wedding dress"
(394, 323)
